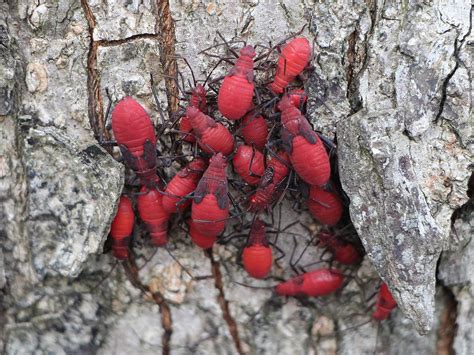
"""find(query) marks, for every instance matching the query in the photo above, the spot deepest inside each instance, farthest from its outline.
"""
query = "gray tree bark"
(393, 82)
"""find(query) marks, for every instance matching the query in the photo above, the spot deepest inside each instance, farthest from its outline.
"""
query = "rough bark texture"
(393, 82)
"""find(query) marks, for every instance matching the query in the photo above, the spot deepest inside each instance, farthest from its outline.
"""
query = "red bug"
(213, 136)
(254, 130)
(201, 240)
(138, 145)
(198, 100)
(293, 59)
(151, 212)
(344, 252)
(319, 282)
(210, 207)
(325, 206)
(249, 164)
(276, 171)
(257, 255)
(122, 227)
(385, 303)
(182, 184)
(235, 95)
(307, 153)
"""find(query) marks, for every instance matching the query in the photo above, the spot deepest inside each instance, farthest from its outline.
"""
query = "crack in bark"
(359, 56)
(166, 28)
(352, 89)
(96, 115)
(223, 303)
(447, 325)
(118, 42)
(457, 48)
(131, 271)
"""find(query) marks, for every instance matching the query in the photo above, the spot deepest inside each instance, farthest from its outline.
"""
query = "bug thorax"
(326, 237)
(199, 121)
(248, 51)
(217, 166)
(194, 168)
(285, 103)
(279, 164)
(291, 287)
(257, 234)
(245, 61)
(298, 97)
(198, 98)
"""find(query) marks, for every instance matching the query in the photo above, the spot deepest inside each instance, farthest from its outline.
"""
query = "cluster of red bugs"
(262, 130)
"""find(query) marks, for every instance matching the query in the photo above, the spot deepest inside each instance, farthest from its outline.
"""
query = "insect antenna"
(210, 73)
(220, 220)
(225, 240)
(340, 331)
(190, 68)
(178, 262)
(218, 45)
(236, 206)
(252, 286)
(282, 253)
(147, 260)
(292, 264)
(304, 249)
(108, 123)
(225, 59)
(158, 105)
(227, 45)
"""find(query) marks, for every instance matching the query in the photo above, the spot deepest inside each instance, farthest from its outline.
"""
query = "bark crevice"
(165, 27)
(223, 303)
(458, 43)
(447, 325)
(95, 103)
(131, 270)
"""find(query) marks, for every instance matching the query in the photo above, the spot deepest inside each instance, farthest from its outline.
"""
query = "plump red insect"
(257, 256)
(122, 227)
(235, 95)
(210, 207)
(151, 211)
(385, 303)
(293, 59)
(307, 153)
(201, 240)
(276, 171)
(344, 253)
(182, 184)
(254, 130)
(138, 145)
(325, 206)
(213, 137)
(198, 100)
(319, 282)
(249, 164)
